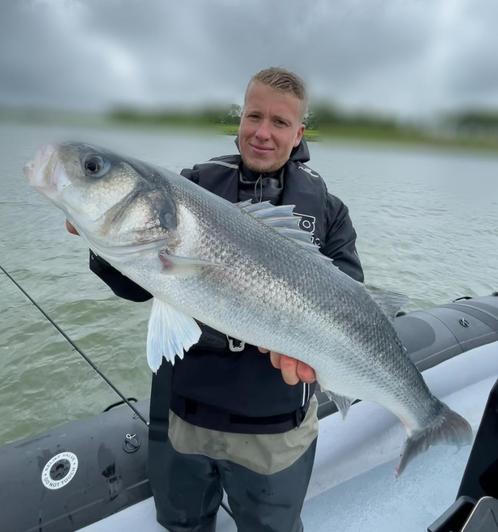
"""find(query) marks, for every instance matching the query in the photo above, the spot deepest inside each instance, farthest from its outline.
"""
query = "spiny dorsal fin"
(282, 219)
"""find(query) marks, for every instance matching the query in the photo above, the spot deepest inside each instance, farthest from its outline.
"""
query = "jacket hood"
(300, 153)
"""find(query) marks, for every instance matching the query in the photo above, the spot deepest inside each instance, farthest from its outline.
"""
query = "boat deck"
(353, 487)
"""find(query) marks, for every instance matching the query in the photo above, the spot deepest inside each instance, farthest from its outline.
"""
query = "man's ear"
(299, 135)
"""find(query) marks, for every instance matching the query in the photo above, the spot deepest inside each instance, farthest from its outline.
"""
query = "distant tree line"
(474, 121)
(325, 116)
(321, 120)
(208, 115)
(319, 117)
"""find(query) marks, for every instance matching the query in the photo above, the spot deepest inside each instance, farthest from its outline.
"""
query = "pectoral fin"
(170, 333)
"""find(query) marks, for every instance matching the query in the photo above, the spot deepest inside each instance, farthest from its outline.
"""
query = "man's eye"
(280, 123)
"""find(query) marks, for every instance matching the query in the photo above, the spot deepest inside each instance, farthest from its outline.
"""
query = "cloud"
(409, 57)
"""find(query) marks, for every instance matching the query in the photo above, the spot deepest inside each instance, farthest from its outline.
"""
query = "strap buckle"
(235, 347)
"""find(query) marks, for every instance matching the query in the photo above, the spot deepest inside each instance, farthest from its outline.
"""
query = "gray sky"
(408, 57)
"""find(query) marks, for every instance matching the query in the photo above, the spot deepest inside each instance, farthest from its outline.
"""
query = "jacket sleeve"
(340, 240)
(117, 282)
(192, 174)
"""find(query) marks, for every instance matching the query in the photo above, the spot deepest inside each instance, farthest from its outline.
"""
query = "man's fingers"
(305, 373)
(288, 367)
(275, 360)
(293, 370)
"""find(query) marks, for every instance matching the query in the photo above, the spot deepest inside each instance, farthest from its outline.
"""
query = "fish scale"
(313, 302)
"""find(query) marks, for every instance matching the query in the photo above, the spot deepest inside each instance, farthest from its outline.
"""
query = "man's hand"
(293, 370)
(70, 227)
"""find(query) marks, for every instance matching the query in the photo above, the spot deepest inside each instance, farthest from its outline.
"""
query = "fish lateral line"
(172, 263)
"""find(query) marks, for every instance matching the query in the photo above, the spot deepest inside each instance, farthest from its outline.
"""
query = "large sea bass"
(246, 270)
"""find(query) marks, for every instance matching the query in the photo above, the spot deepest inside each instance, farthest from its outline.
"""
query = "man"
(237, 420)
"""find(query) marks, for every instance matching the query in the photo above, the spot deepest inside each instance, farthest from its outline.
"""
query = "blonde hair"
(285, 81)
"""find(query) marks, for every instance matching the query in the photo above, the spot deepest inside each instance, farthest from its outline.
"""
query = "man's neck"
(250, 175)
(260, 186)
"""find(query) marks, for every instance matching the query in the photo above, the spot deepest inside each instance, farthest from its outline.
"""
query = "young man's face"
(270, 127)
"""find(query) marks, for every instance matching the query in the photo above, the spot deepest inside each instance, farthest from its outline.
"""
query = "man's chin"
(260, 166)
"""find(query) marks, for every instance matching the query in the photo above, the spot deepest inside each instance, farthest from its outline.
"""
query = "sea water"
(427, 224)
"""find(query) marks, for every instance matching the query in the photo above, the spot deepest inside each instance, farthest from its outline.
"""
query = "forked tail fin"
(447, 428)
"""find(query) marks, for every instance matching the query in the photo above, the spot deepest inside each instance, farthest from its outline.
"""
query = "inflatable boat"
(92, 474)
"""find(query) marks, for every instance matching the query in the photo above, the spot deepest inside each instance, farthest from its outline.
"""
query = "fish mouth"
(35, 169)
(44, 172)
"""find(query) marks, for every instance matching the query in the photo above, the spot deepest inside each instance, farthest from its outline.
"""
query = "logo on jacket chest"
(308, 223)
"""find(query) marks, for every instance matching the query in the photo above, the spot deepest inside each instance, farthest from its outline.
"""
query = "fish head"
(110, 199)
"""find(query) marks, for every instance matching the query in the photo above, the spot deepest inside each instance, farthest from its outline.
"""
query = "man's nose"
(263, 131)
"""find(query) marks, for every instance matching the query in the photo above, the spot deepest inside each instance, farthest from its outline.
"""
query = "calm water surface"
(427, 226)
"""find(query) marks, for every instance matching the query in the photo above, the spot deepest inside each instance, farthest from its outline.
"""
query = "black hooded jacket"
(216, 385)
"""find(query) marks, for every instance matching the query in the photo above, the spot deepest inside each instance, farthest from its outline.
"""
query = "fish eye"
(96, 166)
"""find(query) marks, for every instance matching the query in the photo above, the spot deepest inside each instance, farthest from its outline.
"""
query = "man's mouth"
(260, 149)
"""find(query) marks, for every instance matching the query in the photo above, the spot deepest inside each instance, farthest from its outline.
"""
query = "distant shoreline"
(405, 138)
(401, 136)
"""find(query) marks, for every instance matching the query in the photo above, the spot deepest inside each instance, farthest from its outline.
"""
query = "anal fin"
(343, 403)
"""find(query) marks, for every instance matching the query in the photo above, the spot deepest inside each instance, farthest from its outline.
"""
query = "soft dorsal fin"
(389, 302)
(282, 219)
